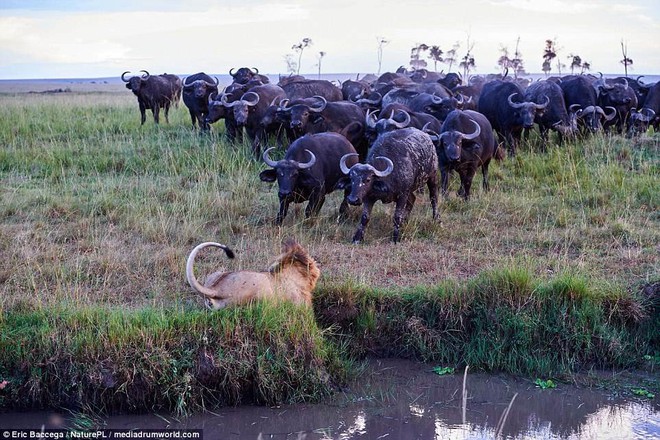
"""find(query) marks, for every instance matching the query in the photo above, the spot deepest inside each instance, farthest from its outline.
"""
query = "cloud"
(547, 6)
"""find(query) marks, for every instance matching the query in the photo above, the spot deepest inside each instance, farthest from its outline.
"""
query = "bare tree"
(382, 41)
(450, 56)
(435, 53)
(467, 62)
(549, 54)
(320, 57)
(517, 62)
(576, 62)
(586, 66)
(300, 47)
(625, 61)
(415, 52)
(291, 65)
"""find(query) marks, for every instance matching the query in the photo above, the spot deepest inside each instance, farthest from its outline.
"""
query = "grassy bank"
(184, 360)
(98, 215)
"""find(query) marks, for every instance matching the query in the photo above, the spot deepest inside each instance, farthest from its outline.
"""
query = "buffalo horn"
(342, 162)
(387, 171)
(574, 108)
(370, 119)
(255, 71)
(185, 83)
(402, 124)
(223, 100)
(310, 163)
(648, 113)
(283, 105)
(476, 133)
(123, 75)
(268, 160)
(612, 114)
(321, 107)
(146, 74)
(230, 72)
(250, 98)
(514, 104)
(542, 106)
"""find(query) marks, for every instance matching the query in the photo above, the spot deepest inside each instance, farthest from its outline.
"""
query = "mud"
(398, 399)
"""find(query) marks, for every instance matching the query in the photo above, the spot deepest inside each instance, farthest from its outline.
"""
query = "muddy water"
(402, 400)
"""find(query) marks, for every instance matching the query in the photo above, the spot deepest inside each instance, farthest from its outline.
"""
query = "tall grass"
(98, 214)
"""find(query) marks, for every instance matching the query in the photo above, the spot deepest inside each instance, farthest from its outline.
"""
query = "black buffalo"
(244, 74)
(196, 91)
(580, 97)
(306, 88)
(316, 115)
(556, 116)
(310, 170)
(154, 92)
(410, 163)
(465, 143)
(620, 96)
(502, 103)
(250, 109)
(648, 115)
(397, 116)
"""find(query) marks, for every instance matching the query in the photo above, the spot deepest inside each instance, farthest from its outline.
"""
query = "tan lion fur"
(292, 277)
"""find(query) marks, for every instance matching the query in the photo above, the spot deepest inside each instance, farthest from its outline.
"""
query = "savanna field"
(555, 270)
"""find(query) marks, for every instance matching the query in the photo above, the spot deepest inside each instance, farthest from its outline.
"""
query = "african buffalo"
(153, 93)
(465, 143)
(310, 170)
(411, 162)
(196, 91)
(555, 116)
(502, 102)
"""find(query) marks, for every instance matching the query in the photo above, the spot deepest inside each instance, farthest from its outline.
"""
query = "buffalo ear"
(269, 175)
(380, 186)
(343, 183)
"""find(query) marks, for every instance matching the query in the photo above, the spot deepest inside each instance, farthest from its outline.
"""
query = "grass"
(539, 276)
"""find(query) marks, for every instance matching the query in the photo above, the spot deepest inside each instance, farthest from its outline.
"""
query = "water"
(404, 400)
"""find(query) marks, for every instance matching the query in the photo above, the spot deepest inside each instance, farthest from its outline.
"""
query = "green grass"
(98, 214)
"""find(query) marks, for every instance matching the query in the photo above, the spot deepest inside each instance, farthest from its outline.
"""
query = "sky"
(103, 38)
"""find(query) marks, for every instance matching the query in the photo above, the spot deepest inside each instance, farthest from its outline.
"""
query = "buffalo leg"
(484, 173)
(316, 200)
(143, 113)
(403, 207)
(466, 182)
(284, 208)
(366, 214)
(344, 204)
(444, 179)
(432, 185)
(156, 112)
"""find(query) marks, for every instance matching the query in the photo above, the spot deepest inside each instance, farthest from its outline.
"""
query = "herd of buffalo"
(384, 138)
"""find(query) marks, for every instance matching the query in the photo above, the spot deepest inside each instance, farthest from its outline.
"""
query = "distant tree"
(382, 41)
(517, 62)
(300, 47)
(576, 62)
(504, 61)
(291, 65)
(586, 66)
(435, 53)
(549, 54)
(625, 61)
(321, 55)
(415, 52)
(450, 56)
(467, 62)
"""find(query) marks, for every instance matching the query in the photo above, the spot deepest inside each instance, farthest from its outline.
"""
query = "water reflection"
(405, 400)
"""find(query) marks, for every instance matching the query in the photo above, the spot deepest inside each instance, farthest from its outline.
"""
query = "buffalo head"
(286, 172)
(526, 111)
(364, 177)
(135, 83)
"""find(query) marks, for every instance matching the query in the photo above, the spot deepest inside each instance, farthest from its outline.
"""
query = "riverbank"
(181, 360)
